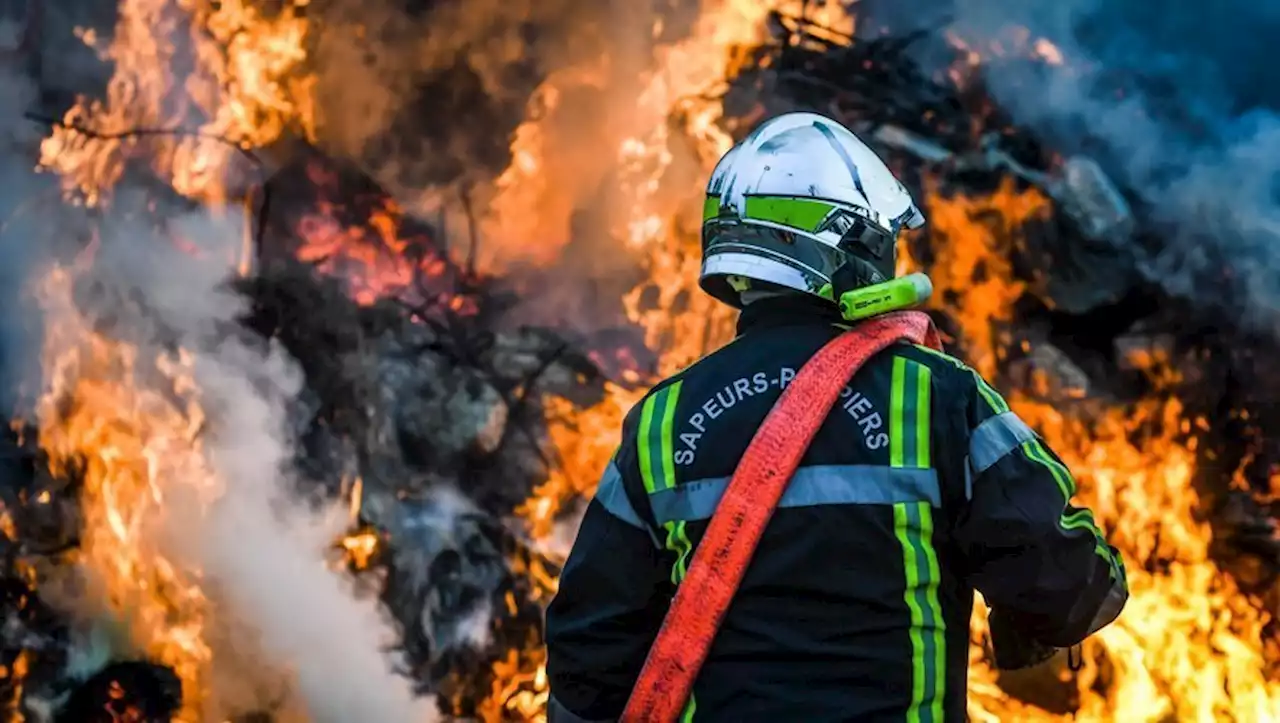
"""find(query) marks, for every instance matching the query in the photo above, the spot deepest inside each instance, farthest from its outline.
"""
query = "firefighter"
(921, 486)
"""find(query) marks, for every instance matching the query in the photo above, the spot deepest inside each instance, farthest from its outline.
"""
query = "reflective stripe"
(1112, 604)
(1077, 519)
(613, 496)
(654, 444)
(690, 709)
(913, 525)
(995, 438)
(993, 399)
(810, 487)
(909, 402)
(678, 542)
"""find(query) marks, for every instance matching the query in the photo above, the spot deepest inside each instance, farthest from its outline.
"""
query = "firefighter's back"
(847, 611)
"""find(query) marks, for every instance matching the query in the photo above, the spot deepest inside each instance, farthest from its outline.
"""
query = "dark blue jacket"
(921, 487)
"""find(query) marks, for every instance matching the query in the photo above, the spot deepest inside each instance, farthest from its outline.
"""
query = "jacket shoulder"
(952, 372)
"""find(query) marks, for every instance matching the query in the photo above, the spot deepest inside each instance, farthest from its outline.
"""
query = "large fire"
(1188, 646)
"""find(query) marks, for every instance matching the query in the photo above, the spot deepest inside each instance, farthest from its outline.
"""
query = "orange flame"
(1188, 646)
(130, 442)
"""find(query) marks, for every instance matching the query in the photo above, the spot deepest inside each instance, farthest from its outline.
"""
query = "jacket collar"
(789, 310)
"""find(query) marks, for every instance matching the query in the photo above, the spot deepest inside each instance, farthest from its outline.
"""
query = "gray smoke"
(262, 552)
(1195, 134)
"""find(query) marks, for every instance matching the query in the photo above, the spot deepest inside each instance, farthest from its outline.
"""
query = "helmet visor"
(814, 259)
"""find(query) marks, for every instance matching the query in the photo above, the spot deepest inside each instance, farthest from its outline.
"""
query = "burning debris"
(286, 436)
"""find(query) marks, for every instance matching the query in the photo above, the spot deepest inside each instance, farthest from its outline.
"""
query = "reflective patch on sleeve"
(613, 497)
(995, 438)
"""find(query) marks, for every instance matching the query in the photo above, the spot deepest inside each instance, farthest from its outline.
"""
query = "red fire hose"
(756, 487)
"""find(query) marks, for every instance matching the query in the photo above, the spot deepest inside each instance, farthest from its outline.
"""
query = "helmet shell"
(796, 199)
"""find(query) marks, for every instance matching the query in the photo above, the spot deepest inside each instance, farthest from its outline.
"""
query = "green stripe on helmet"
(804, 214)
(710, 207)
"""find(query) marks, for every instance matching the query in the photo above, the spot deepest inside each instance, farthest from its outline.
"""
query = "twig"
(260, 228)
(473, 233)
(142, 132)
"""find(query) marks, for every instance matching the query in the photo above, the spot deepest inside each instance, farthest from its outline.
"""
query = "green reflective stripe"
(909, 401)
(897, 400)
(994, 400)
(678, 542)
(710, 207)
(953, 361)
(924, 385)
(668, 441)
(805, 214)
(991, 396)
(913, 525)
(1037, 453)
(690, 708)
(644, 442)
(1081, 519)
(654, 443)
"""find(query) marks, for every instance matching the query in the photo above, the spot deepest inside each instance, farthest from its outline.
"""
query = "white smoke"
(261, 552)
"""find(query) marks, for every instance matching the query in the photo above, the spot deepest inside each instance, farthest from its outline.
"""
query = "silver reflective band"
(1112, 604)
(811, 486)
(995, 438)
(614, 498)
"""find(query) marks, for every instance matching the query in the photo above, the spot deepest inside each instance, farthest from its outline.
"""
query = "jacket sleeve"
(1041, 563)
(614, 592)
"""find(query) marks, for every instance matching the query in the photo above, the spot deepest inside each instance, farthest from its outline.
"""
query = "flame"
(126, 425)
(1188, 647)
(129, 429)
(247, 91)
(378, 258)
(972, 271)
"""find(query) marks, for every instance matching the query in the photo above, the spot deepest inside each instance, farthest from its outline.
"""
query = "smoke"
(1173, 98)
(430, 93)
(277, 611)
(261, 548)
(19, 215)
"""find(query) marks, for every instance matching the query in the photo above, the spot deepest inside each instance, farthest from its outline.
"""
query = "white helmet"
(793, 202)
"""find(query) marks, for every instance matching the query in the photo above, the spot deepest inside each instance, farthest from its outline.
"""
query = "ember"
(301, 423)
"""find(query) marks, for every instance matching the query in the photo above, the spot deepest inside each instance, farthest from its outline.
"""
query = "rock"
(1050, 373)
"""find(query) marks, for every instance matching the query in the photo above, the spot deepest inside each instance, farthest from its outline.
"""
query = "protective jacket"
(921, 486)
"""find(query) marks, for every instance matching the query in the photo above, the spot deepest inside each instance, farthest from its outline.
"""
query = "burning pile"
(309, 423)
